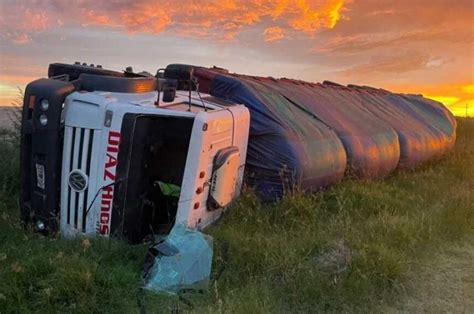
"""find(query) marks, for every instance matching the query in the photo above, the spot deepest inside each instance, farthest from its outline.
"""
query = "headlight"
(44, 104)
(43, 119)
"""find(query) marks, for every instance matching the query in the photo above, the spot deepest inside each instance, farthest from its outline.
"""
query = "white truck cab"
(98, 150)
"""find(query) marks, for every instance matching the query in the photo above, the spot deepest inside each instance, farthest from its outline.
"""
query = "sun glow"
(463, 110)
(8, 94)
(468, 89)
(445, 100)
(459, 107)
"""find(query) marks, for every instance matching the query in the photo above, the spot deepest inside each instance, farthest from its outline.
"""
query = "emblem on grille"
(78, 180)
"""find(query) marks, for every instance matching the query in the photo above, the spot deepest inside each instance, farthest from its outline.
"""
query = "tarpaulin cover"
(371, 146)
(288, 148)
(423, 132)
(306, 135)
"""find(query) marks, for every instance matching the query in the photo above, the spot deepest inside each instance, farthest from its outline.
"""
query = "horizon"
(425, 47)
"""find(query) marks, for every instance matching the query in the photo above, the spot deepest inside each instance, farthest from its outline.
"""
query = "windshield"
(150, 169)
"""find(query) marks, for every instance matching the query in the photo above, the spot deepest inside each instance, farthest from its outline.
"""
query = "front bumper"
(40, 153)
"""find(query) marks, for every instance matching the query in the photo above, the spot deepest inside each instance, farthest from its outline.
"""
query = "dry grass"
(442, 281)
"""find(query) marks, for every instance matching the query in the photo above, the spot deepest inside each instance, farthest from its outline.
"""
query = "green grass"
(352, 247)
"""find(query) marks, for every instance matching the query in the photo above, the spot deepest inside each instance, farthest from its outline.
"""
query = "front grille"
(78, 145)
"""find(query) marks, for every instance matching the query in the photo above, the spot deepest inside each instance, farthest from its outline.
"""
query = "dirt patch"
(335, 259)
(444, 283)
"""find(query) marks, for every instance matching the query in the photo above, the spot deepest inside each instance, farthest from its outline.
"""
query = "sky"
(424, 47)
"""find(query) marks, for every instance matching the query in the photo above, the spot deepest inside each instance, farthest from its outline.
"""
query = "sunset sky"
(424, 46)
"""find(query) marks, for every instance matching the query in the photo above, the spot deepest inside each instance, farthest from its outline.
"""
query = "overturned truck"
(132, 155)
(124, 154)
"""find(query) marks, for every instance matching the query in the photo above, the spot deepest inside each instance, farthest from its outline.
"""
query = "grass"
(353, 247)
(443, 284)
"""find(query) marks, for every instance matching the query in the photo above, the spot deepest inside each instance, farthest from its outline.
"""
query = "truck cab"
(101, 151)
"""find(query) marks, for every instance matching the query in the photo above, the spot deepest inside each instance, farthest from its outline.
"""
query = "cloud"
(273, 33)
(422, 46)
(312, 17)
(213, 19)
(17, 25)
(404, 45)
(388, 65)
(21, 38)
(364, 42)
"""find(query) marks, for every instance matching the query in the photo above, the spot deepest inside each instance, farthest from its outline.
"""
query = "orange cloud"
(21, 39)
(315, 15)
(393, 44)
(212, 19)
(95, 18)
(273, 34)
(17, 26)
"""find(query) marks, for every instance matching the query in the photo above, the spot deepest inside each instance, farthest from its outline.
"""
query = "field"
(404, 243)
(6, 117)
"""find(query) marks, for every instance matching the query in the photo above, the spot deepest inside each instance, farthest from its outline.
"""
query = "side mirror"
(224, 178)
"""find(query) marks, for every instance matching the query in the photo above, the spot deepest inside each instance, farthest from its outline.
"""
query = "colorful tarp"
(306, 135)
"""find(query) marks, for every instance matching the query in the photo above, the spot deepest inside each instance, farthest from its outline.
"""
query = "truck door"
(214, 166)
